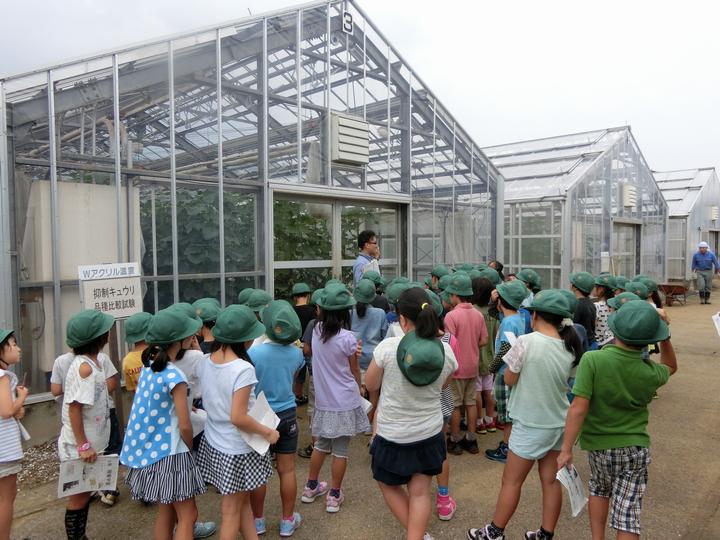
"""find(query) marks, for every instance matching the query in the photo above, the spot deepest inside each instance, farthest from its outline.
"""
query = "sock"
(503, 445)
(488, 419)
(312, 484)
(443, 491)
(76, 522)
(546, 534)
(470, 436)
(457, 438)
(495, 530)
(291, 518)
(335, 493)
(479, 422)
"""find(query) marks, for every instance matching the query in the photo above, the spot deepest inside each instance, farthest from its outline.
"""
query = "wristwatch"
(84, 447)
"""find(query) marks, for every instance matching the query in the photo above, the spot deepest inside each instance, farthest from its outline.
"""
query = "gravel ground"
(40, 465)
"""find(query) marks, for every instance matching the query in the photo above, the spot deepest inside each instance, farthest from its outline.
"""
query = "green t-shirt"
(487, 353)
(619, 385)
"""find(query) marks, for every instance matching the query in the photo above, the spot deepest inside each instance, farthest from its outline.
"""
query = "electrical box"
(350, 140)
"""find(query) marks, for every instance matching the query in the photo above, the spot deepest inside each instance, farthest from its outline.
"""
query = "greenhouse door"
(316, 239)
(626, 249)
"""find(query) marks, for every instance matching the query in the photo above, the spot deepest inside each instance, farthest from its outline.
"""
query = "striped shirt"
(10, 445)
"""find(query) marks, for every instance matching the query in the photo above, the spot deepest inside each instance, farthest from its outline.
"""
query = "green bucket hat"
(513, 292)
(491, 275)
(336, 297)
(333, 281)
(258, 300)
(640, 277)
(474, 274)
(464, 267)
(583, 281)
(236, 324)
(445, 297)
(637, 323)
(651, 285)
(244, 295)
(418, 284)
(428, 282)
(281, 322)
(376, 278)
(529, 277)
(421, 361)
(316, 295)
(444, 281)
(638, 288)
(439, 271)
(460, 285)
(606, 280)
(617, 301)
(300, 288)
(5, 333)
(435, 302)
(571, 299)
(364, 291)
(136, 327)
(186, 309)
(207, 309)
(551, 301)
(399, 279)
(620, 282)
(170, 325)
(86, 326)
(395, 290)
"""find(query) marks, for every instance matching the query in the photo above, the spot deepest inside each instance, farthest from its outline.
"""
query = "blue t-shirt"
(275, 368)
(371, 329)
(152, 431)
(514, 324)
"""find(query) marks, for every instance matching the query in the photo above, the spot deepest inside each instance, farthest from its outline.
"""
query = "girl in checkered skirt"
(227, 380)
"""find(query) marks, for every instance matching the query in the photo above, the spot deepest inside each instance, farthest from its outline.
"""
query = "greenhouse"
(249, 154)
(586, 201)
(693, 198)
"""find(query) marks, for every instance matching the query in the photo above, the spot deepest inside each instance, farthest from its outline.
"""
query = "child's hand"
(358, 349)
(20, 414)
(194, 345)
(89, 455)
(564, 459)
(273, 436)
(22, 391)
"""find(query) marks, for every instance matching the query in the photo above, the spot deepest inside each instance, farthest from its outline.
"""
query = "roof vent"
(714, 213)
(629, 196)
(350, 140)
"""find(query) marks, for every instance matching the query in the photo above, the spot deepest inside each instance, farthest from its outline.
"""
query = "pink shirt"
(467, 324)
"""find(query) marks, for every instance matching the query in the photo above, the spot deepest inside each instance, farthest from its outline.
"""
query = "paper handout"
(569, 477)
(716, 320)
(262, 413)
(366, 405)
(77, 476)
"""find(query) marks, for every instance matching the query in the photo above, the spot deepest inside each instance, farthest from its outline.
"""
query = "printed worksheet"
(570, 479)
(77, 476)
(263, 413)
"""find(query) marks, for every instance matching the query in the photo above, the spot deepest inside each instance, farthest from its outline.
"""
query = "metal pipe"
(118, 157)
(173, 179)
(221, 178)
(54, 216)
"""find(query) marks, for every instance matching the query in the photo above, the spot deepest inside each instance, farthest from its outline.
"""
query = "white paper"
(77, 476)
(514, 357)
(716, 320)
(198, 417)
(262, 413)
(570, 479)
(23, 432)
(366, 405)
(510, 338)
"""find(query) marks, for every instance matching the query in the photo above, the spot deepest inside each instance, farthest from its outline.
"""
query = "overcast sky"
(507, 70)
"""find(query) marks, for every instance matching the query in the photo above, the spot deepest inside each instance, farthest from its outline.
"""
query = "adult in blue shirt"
(705, 265)
(368, 257)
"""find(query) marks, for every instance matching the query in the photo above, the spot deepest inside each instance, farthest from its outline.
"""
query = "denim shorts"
(288, 429)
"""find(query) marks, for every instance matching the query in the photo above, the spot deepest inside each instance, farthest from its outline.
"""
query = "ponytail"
(415, 306)
(361, 309)
(155, 357)
(238, 348)
(567, 334)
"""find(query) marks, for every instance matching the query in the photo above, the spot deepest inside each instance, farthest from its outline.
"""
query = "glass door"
(625, 249)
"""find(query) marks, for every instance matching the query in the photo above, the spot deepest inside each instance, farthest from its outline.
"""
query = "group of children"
(466, 352)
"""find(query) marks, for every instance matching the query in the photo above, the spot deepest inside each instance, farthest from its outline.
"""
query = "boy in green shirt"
(613, 388)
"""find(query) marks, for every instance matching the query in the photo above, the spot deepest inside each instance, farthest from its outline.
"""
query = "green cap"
(244, 295)
(464, 267)
(418, 284)
(583, 281)
(400, 279)
(620, 282)
(376, 278)
(435, 302)
(428, 282)
(605, 280)
(333, 281)
(136, 327)
(5, 333)
(421, 361)
(475, 273)
(316, 295)
(439, 271)
(236, 324)
(170, 325)
(638, 323)
(445, 297)
(336, 297)
(364, 291)
(513, 292)
(395, 290)
(86, 326)
(258, 300)
(460, 285)
(529, 277)
(186, 309)
(491, 274)
(651, 285)
(640, 277)
(444, 281)
(617, 301)
(207, 309)
(551, 301)
(571, 299)
(300, 288)
(637, 288)
(281, 322)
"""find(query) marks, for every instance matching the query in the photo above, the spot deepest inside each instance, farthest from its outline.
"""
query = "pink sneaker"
(445, 506)
(332, 504)
(309, 495)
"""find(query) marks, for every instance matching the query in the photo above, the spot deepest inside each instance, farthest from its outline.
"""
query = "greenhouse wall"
(210, 159)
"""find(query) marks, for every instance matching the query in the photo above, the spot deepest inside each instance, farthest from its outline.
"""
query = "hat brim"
(613, 303)
(460, 292)
(327, 307)
(134, 338)
(662, 333)
(107, 324)
(500, 290)
(427, 376)
(364, 299)
(4, 334)
(560, 312)
(254, 332)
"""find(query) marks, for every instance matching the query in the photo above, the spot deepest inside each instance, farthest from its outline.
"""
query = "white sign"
(263, 414)
(77, 476)
(347, 22)
(114, 289)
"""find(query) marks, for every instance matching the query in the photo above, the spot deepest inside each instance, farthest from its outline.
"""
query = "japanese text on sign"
(111, 288)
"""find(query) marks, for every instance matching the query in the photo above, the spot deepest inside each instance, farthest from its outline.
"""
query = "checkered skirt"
(233, 473)
(173, 478)
(502, 394)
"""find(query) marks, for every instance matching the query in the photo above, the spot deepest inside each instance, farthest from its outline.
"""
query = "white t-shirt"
(188, 364)
(10, 445)
(394, 330)
(218, 384)
(408, 413)
(92, 393)
(62, 364)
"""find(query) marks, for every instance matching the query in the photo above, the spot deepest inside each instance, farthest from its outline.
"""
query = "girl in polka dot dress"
(159, 435)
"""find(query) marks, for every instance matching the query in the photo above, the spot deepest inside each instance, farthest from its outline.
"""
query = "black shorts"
(288, 429)
(394, 464)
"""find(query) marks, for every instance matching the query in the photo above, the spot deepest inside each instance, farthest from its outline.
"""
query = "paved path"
(683, 499)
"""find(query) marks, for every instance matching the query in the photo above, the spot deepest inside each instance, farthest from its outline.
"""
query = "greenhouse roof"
(545, 168)
(681, 189)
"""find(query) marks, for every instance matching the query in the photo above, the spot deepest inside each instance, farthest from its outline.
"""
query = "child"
(86, 410)
(582, 284)
(135, 329)
(394, 292)
(482, 291)
(227, 380)
(369, 325)
(276, 363)
(538, 366)
(616, 383)
(338, 413)
(306, 312)
(207, 309)
(508, 298)
(12, 401)
(158, 440)
(380, 300)
(409, 447)
(468, 326)
(604, 290)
